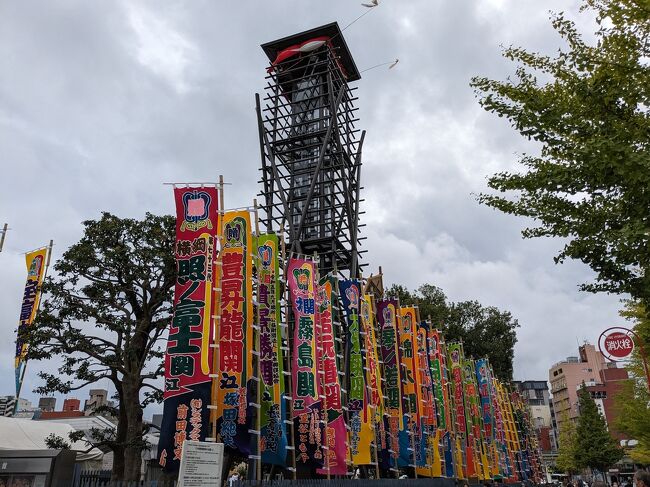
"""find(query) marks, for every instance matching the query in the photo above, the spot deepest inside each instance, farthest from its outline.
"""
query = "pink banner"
(336, 438)
(306, 388)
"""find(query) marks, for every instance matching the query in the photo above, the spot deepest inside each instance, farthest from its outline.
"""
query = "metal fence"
(102, 478)
(436, 482)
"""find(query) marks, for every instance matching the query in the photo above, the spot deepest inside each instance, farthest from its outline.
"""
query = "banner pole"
(321, 373)
(399, 367)
(378, 418)
(217, 318)
(345, 384)
(4, 234)
(289, 376)
(256, 371)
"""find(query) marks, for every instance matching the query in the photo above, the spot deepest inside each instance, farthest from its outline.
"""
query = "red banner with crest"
(189, 355)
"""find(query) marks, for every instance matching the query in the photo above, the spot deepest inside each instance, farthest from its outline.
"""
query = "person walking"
(641, 479)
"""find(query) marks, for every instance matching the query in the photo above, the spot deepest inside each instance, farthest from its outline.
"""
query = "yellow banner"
(436, 467)
(35, 262)
(235, 330)
(495, 460)
(410, 363)
(372, 415)
(460, 464)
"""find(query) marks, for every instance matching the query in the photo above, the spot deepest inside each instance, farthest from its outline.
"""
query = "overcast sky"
(102, 102)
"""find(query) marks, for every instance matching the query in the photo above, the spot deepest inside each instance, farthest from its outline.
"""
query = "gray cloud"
(100, 103)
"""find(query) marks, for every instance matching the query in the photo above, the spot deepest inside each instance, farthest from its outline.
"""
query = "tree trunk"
(134, 442)
(120, 438)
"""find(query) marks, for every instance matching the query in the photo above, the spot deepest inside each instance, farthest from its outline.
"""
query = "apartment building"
(565, 377)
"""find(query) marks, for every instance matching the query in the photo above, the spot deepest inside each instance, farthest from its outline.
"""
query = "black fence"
(102, 478)
(437, 482)
(421, 482)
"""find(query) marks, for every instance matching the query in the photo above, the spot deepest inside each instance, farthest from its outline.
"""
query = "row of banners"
(352, 380)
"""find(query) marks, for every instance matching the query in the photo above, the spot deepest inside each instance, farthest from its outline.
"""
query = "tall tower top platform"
(330, 31)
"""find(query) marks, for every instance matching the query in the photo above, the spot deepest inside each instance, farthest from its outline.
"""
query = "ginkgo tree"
(588, 108)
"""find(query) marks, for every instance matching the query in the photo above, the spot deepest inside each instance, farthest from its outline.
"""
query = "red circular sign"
(617, 345)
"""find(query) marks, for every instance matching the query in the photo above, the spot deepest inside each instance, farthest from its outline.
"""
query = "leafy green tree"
(587, 106)
(566, 455)
(484, 330)
(633, 417)
(595, 447)
(56, 442)
(632, 400)
(104, 314)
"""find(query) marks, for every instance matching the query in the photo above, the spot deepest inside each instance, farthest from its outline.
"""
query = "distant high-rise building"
(98, 398)
(553, 432)
(567, 376)
(47, 403)
(536, 395)
(71, 404)
(8, 407)
(603, 392)
(70, 410)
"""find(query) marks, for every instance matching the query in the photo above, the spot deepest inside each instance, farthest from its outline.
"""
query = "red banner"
(189, 356)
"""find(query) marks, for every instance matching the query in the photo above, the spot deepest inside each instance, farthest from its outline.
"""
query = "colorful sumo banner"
(427, 461)
(235, 333)
(372, 428)
(409, 435)
(189, 356)
(306, 394)
(387, 322)
(35, 262)
(335, 462)
(273, 406)
(360, 433)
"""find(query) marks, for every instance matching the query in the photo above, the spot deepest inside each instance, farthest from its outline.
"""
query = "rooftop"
(272, 48)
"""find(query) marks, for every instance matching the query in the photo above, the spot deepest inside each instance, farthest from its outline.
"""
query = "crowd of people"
(641, 479)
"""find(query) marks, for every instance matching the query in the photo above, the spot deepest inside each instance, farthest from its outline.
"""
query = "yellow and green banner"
(372, 417)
